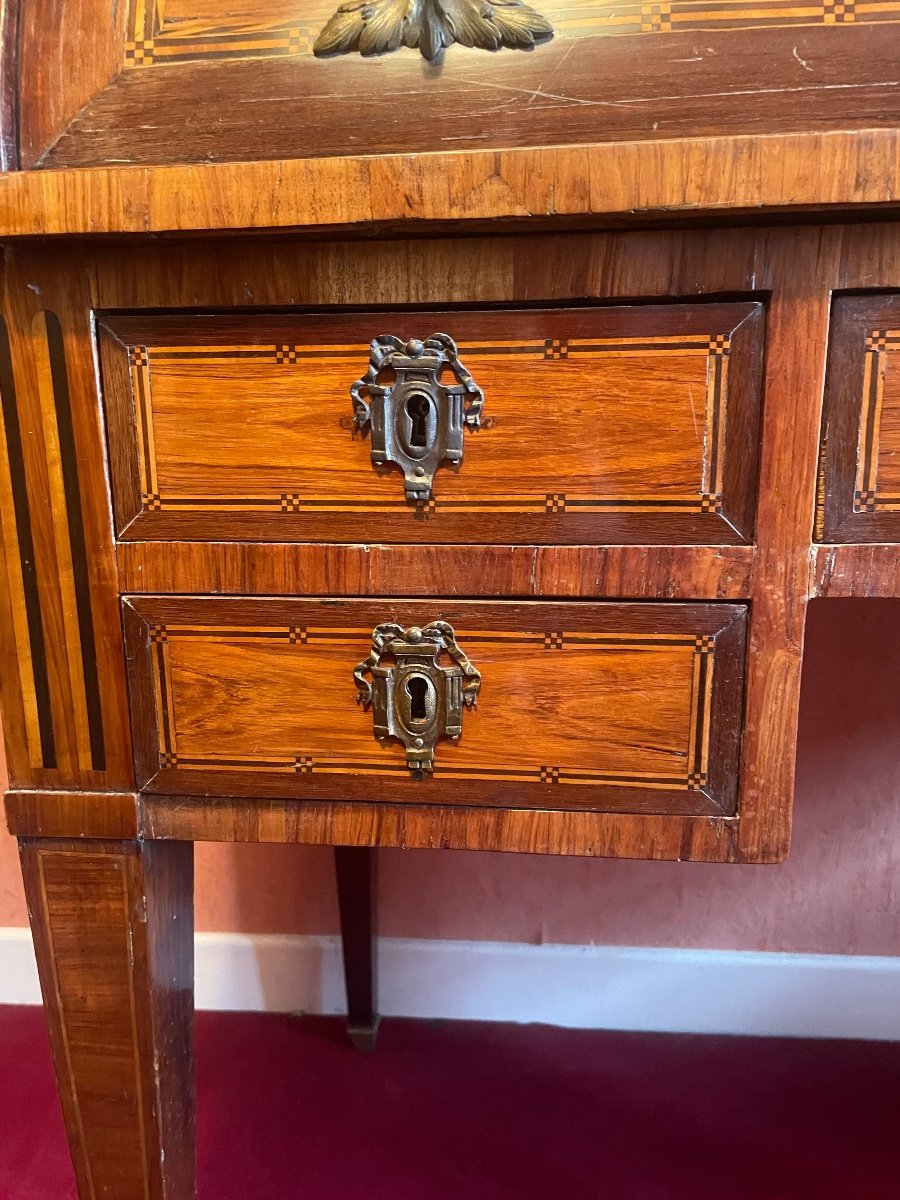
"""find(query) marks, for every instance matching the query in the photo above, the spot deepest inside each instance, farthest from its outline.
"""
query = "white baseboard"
(590, 987)
(18, 970)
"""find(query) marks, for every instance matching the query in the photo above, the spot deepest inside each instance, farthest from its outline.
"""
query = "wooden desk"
(589, 473)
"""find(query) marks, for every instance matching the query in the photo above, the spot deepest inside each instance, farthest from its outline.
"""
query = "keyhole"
(417, 409)
(417, 690)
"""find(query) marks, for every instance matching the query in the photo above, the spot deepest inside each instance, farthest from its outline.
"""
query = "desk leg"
(356, 877)
(113, 928)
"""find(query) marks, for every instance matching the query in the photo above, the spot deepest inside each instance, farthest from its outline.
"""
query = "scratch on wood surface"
(802, 61)
(563, 100)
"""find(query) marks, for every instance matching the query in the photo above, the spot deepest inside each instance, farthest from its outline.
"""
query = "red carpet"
(495, 1112)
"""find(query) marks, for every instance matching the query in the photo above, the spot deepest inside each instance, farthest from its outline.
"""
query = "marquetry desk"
(435, 449)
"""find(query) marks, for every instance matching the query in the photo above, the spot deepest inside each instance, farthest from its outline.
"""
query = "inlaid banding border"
(152, 40)
(715, 348)
(867, 496)
(694, 779)
(858, 496)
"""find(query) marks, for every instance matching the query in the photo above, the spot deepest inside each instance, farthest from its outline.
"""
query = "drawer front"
(860, 491)
(634, 424)
(606, 706)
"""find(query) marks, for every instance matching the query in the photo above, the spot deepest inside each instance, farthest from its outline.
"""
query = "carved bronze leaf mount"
(381, 26)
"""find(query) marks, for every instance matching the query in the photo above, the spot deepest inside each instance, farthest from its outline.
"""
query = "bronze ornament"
(416, 421)
(415, 700)
(382, 26)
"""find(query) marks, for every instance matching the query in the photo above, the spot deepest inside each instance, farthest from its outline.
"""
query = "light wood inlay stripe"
(31, 643)
(69, 536)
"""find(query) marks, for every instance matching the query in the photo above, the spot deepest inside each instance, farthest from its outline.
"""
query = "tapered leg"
(356, 897)
(113, 931)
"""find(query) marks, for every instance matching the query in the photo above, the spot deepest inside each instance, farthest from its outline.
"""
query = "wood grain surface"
(792, 271)
(67, 814)
(632, 707)
(738, 176)
(412, 826)
(113, 933)
(616, 425)
(859, 496)
(67, 720)
(855, 570)
(287, 569)
(534, 831)
(185, 84)
(68, 53)
(9, 85)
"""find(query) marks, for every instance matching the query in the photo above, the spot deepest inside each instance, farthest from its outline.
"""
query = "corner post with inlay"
(113, 931)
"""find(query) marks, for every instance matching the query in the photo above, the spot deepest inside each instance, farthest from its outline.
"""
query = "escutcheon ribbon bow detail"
(412, 697)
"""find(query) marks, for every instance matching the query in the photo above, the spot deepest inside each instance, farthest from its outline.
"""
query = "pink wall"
(12, 902)
(839, 891)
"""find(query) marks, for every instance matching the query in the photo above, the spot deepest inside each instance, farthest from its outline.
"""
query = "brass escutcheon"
(415, 699)
(415, 421)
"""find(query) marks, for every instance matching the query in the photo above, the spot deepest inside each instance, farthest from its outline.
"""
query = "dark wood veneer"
(357, 876)
(9, 100)
(113, 932)
(860, 570)
(859, 491)
(92, 106)
(704, 838)
(289, 569)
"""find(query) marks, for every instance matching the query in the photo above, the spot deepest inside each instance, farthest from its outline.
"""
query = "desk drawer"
(633, 707)
(627, 424)
(859, 498)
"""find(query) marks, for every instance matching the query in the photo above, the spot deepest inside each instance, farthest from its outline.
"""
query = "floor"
(466, 1111)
